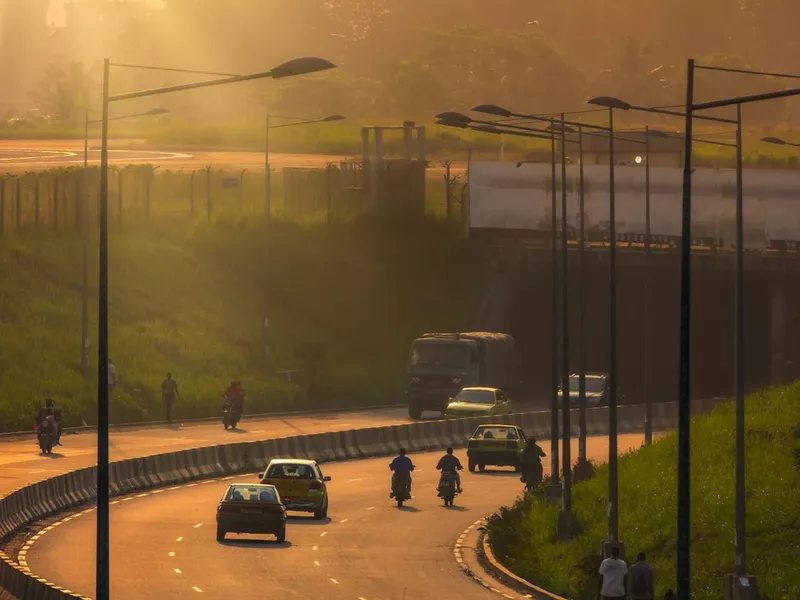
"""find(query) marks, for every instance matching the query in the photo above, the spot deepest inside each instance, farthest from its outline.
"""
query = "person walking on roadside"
(641, 578)
(169, 391)
(613, 577)
(112, 376)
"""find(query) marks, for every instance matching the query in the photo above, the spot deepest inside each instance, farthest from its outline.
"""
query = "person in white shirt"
(112, 375)
(613, 577)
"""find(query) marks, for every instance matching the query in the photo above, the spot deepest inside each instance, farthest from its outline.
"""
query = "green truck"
(441, 364)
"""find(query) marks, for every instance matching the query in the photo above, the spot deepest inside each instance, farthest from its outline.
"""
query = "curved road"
(163, 544)
(22, 463)
(20, 156)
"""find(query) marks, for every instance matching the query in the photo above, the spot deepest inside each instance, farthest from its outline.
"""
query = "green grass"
(524, 536)
(190, 299)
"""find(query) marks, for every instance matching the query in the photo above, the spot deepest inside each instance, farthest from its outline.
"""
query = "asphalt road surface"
(21, 461)
(163, 544)
(21, 156)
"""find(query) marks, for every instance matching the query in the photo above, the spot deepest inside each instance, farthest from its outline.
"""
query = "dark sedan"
(251, 508)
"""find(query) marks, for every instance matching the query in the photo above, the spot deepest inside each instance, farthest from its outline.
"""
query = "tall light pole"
(268, 173)
(85, 232)
(648, 400)
(291, 68)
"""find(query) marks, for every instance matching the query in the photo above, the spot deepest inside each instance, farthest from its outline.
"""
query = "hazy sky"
(56, 13)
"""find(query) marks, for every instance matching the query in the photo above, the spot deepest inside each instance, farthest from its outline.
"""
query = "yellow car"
(478, 402)
(300, 484)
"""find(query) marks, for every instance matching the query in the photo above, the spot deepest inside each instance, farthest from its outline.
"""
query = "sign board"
(503, 196)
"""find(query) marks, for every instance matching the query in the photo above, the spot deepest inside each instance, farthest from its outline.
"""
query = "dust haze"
(397, 58)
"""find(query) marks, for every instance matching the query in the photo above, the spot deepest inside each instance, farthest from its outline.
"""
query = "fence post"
(18, 214)
(55, 200)
(36, 200)
(329, 207)
(241, 191)
(191, 192)
(208, 193)
(2, 205)
(147, 184)
(120, 182)
(79, 202)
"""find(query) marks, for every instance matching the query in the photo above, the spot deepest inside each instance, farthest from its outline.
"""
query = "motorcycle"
(230, 414)
(401, 489)
(447, 488)
(532, 480)
(46, 435)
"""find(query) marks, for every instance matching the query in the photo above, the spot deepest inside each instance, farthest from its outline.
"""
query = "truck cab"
(441, 364)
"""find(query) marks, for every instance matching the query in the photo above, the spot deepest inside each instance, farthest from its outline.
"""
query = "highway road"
(164, 546)
(22, 463)
(21, 156)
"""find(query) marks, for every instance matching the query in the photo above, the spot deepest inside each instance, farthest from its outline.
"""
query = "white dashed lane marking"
(198, 525)
(178, 571)
(323, 534)
(343, 521)
(334, 581)
(371, 508)
(316, 562)
(197, 589)
(172, 554)
(179, 539)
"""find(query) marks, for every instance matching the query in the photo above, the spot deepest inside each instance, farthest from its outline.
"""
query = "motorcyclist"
(402, 467)
(235, 395)
(449, 463)
(51, 413)
(532, 471)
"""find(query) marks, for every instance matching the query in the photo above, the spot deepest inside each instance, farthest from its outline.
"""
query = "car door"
(503, 404)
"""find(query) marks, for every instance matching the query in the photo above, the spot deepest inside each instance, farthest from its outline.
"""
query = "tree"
(65, 93)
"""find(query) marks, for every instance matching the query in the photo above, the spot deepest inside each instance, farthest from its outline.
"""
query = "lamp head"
(301, 66)
(454, 117)
(492, 109)
(610, 102)
(331, 118)
(156, 111)
(773, 140)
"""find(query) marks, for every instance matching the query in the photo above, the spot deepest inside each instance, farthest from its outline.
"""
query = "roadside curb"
(488, 571)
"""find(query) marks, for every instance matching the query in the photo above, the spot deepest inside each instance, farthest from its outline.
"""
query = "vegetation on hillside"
(343, 303)
(523, 536)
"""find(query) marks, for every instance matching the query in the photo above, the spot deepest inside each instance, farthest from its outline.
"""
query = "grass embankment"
(524, 536)
(344, 138)
(191, 300)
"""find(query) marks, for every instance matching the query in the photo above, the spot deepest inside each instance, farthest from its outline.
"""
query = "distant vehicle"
(479, 402)
(597, 390)
(497, 445)
(300, 484)
(441, 364)
(251, 508)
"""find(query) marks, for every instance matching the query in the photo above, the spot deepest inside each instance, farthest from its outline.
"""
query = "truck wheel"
(471, 465)
(414, 412)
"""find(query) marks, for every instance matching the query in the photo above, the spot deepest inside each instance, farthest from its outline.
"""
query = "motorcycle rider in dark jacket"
(532, 471)
(50, 410)
(449, 463)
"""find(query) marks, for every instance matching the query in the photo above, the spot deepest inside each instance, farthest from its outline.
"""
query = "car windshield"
(251, 493)
(439, 354)
(496, 433)
(475, 397)
(594, 385)
(290, 471)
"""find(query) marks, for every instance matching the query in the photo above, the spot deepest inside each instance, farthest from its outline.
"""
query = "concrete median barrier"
(45, 498)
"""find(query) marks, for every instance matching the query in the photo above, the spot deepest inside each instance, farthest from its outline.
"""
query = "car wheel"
(220, 534)
(517, 467)
(322, 511)
(482, 468)
(414, 412)
(471, 466)
(281, 535)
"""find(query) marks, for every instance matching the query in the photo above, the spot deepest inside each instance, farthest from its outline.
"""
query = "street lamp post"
(582, 460)
(291, 68)
(268, 173)
(648, 401)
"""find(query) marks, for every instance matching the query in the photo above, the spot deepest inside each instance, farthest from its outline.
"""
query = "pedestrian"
(112, 375)
(613, 577)
(642, 584)
(169, 391)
